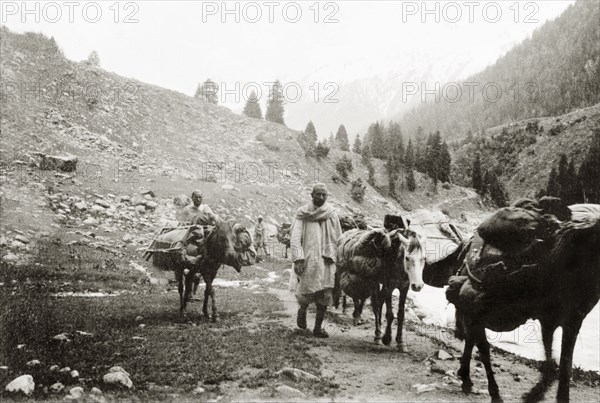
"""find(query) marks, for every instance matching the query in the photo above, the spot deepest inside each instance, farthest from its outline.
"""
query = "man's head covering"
(197, 193)
(318, 186)
(260, 218)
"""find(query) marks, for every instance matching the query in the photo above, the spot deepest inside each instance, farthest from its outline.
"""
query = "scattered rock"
(152, 205)
(137, 319)
(102, 203)
(198, 391)
(118, 378)
(81, 206)
(90, 221)
(63, 337)
(443, 355)
(75, 393)
(95, 391)
(10, 258)
(57, 387)
(66, 163)
(65, 370)
(74, 374)
(140, 209)
(297, 374)
(422, 388)
(149, 193)
(22, 239)
(127, 238)
(33, 363)
(54, 368)
(23, 384)
(288, 392)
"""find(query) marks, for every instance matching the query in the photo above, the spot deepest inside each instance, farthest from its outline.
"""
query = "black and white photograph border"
(214, 200)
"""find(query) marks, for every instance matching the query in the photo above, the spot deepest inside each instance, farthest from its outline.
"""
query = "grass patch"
(164, 352)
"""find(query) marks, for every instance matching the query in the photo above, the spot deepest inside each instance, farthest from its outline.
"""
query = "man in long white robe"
(313, 243)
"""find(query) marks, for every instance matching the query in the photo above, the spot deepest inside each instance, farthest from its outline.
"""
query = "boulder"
(65, 163)
(22, 239)
(23, 384)
(75, 393)
(57, 387)
(81, 206)
(118, 378)
(102, 203)
(287, 392)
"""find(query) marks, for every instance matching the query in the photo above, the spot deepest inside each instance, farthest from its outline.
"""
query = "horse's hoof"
(467, 388)
(497, 399)
(387, 340)
(214, 318)
(377, 340)
(401, 348)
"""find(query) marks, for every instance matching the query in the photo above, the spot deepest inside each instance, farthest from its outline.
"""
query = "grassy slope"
(527, 168)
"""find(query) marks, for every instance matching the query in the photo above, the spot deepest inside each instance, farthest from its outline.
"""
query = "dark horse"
(375, 263)
(224, 244)
(563, 289)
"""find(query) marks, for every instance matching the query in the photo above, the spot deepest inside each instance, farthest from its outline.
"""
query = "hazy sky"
(177, 44)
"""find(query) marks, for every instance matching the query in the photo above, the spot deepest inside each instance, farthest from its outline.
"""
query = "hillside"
(553, 72)
(156, 138)
(524, 152)
(132, 138)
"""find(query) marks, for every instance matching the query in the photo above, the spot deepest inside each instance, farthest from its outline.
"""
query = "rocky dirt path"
(369, 372)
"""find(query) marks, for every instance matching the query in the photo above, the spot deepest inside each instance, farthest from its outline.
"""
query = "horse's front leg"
(180, 289)
(484, 351)
(377, 304)
(185, 284)
(215, 316)
(465, 364)
(399, 333)
(548, 368)
(389, 317)
(569, 337)
(358, 308)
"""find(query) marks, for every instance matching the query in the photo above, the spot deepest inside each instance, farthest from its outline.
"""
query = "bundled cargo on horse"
(368, 259)
(197, 250)
(548, 270)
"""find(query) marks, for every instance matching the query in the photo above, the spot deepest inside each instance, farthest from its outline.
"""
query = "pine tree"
(93, 59)
(477, 179)
(420, 150)
(575, 190)
(434, 157)
(564, 182)
(252, 108)
(411, 184)
(497, 191)
(409, 159)
(445, 163)
(377, 141)
(342, 138)
(308, 139)
(357, 147)
(331, 141)
(366, 155)
(208, 92)
(275, 104)
(552, 189)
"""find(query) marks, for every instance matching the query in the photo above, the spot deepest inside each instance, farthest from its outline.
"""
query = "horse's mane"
(415, 242)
